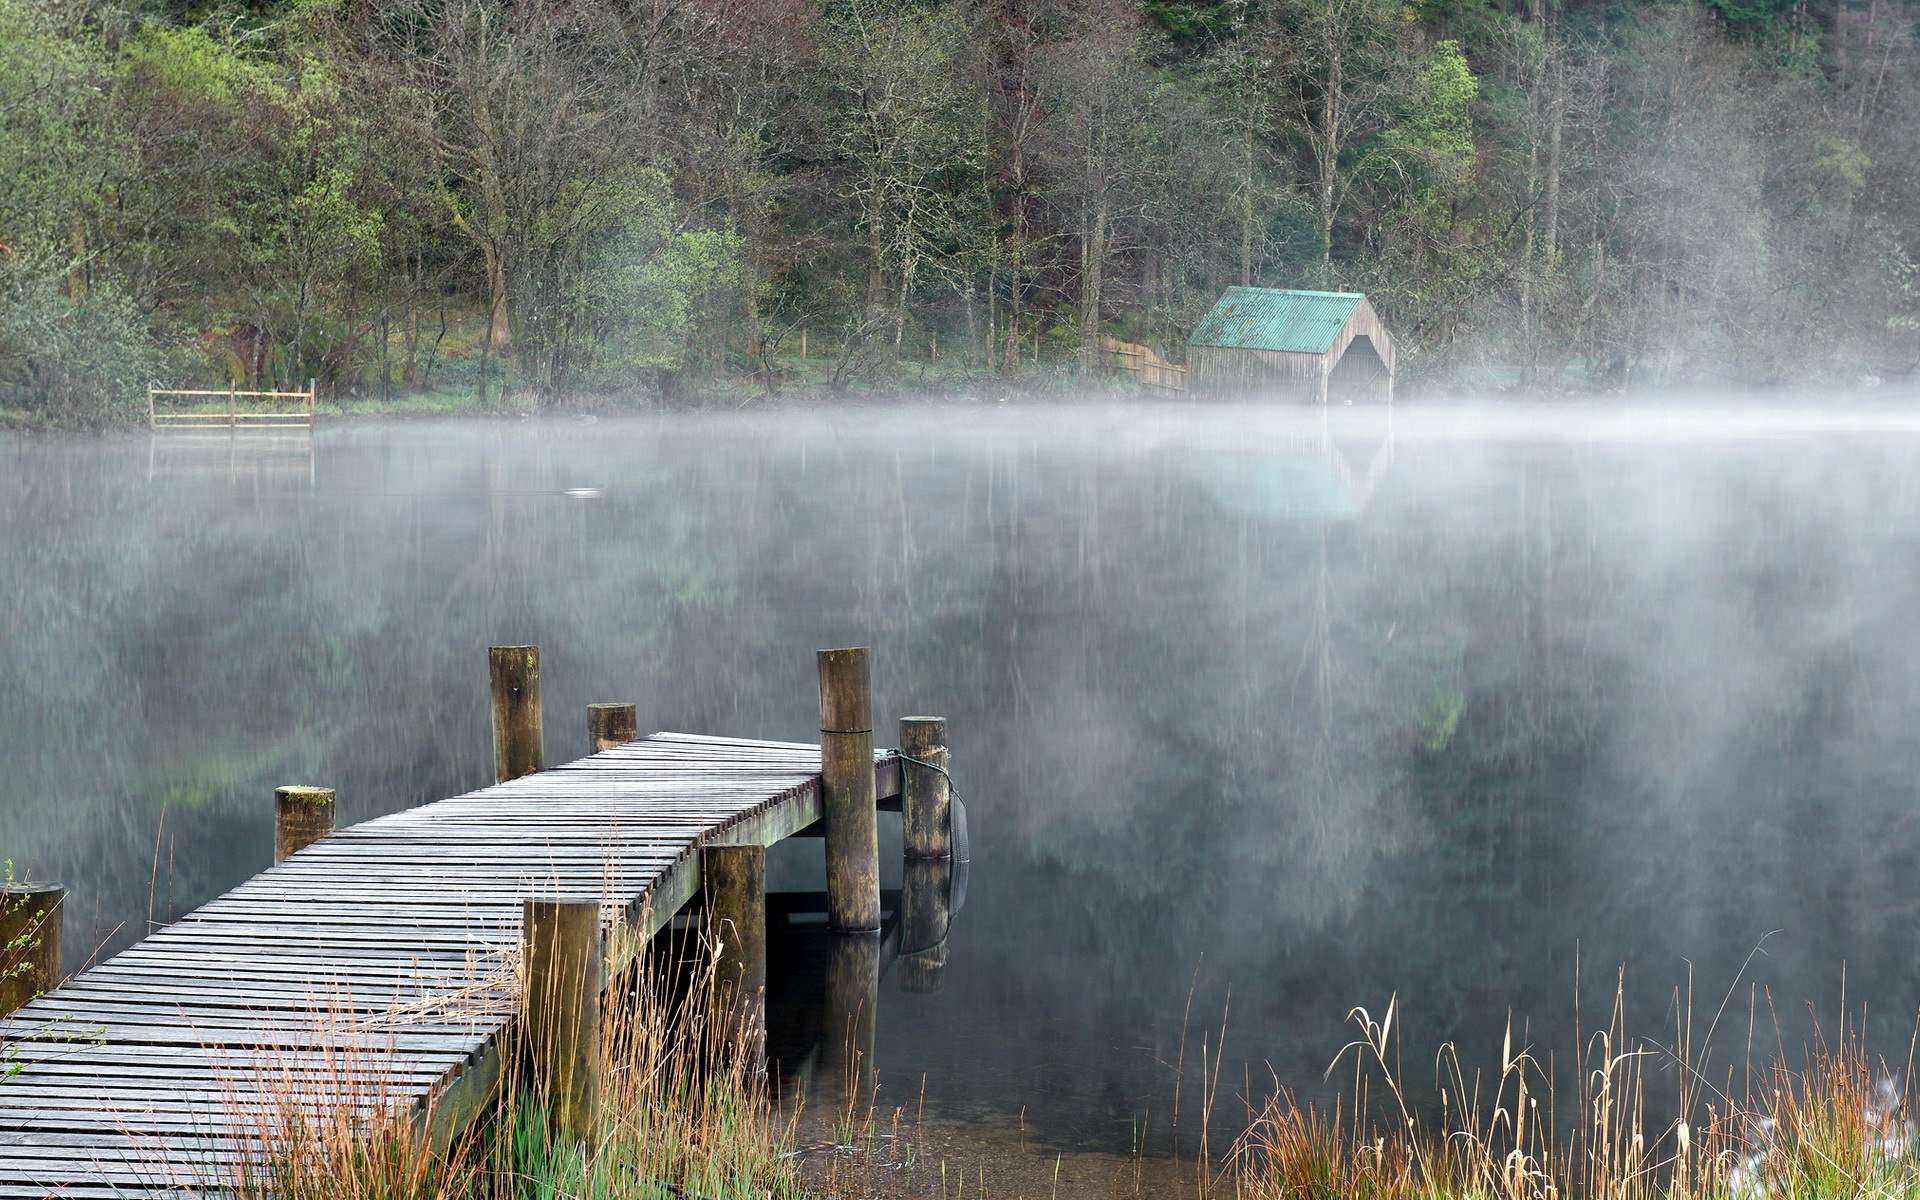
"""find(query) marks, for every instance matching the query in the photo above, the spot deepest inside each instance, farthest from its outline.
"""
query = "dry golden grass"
(684, 1109)
(1839, 1126)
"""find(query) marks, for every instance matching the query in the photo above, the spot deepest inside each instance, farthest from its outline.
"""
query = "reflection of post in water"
(845, 1078)
(924, 916)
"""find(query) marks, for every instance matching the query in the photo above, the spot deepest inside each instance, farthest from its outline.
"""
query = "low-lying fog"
(1310, 709)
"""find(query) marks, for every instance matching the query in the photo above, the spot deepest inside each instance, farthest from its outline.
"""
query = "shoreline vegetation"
(687, 1116)
(577, 201)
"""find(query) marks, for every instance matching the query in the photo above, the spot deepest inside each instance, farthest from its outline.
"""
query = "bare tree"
(1345, 68)
(1098, 88)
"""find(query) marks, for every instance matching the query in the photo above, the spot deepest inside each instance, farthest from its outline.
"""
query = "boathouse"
(1276, 343)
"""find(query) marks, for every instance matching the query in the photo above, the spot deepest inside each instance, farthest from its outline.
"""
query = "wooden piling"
(610, 725)
(846, 773)
(925, 799)
(561, 950)
(518, 746)
(734, 880)
(301, 817)
(926, 889)
(29, 941)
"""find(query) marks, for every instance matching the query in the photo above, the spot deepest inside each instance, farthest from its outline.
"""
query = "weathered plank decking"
(380, 955)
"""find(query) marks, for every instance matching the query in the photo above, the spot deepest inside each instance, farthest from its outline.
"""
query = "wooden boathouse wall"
(1301, 377)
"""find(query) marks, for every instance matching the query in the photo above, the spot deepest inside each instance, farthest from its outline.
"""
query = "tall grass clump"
(1838, 1126)
(685, 1106)
(684, 1111)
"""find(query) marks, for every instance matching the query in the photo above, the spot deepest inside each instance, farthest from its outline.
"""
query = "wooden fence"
(1143, 364)
(204, 409)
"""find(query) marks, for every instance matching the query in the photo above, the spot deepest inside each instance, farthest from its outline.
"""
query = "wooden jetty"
(204, 411)
(394, 955)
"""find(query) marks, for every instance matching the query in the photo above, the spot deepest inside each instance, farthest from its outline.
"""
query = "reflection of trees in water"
(1654, 702)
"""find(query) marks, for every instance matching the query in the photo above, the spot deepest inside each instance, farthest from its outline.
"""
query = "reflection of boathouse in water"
(1317, 476)
(1304, 346)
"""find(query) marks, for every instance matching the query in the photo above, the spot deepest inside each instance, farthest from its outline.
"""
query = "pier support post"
(925, 801)
(734, 879)
(610, 725)
(846, 775)
(301, 817)
(925, 912)
(29, 941)
(562, 956)
(518, 746)
(846, 1044)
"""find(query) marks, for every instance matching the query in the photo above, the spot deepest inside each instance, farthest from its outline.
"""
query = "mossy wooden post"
(518, 746)
(561, 950)
(852, 1002)
(925, 912)
(29, 941)
(925, 805)
(846, 775)
(301, 817)
(610, 725)
(734, 879)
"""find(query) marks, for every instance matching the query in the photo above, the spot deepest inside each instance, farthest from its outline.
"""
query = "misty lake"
(1258, 715)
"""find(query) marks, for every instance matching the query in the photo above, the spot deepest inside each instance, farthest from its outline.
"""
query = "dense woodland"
(656, 197)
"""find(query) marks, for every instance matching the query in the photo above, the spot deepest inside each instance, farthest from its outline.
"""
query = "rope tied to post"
(962, 852)
(903, 756)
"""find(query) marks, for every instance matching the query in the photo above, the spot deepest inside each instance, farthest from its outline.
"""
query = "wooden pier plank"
(373, 965)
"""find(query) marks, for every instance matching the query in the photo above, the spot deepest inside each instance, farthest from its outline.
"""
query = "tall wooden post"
(610, 725)
(301, 817)
(846, 774)
(734, 879)
(29, 941)
(926, 801)
(561, 950)
(518, 746)
(925, 912)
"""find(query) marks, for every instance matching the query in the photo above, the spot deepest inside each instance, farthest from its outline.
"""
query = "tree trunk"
(1096, 257)
(1556, 129)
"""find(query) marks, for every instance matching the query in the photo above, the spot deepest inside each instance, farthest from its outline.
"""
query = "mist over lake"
(1257, 714)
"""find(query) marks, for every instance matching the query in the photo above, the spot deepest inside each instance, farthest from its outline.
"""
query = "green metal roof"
(1248, 318)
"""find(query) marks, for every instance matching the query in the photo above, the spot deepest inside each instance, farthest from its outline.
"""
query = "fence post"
(301, 817)
(518, 745)
(562, 961)
(925, 802)
(847, 784)
(610, 725)
(29, 941)
(233, 407)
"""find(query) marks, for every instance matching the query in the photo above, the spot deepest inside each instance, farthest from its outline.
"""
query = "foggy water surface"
(1256, 713)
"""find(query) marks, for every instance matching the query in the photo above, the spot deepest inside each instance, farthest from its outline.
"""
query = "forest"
(671, 200)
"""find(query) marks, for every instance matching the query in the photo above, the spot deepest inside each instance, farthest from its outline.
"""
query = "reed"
(684, 1112)
(1838, 1125)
